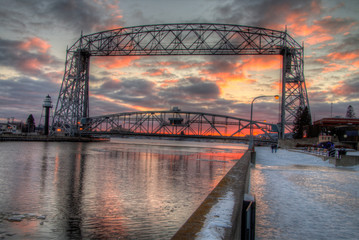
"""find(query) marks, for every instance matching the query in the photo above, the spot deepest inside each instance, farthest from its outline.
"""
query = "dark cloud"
(80, 14)
(77, 15)
(126, 87)
(348, 89)
(21, 96)
(220, 64)
(189, 93)
(261, 13)
(349, 43)
(191, 89)
(336, 24)
(25, 61)
(159, 72)
(137, 92)
(101, 107)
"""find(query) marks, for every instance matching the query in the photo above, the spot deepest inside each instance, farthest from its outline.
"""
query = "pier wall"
(236, 181)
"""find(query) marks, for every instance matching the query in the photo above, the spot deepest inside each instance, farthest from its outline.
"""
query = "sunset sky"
(34, 36)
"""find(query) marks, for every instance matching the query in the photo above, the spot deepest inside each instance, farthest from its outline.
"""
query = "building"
(10, 128)
(345, 130)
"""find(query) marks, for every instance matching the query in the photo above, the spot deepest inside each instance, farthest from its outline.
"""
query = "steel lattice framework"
(175, 122)
(177, 39)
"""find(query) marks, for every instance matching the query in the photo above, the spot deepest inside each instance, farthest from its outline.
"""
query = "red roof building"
(337, 122)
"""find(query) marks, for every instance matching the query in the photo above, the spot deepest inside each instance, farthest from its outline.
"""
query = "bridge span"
(177, 39)
(175, 123)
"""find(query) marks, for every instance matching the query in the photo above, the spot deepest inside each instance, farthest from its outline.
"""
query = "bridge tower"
(72, 108)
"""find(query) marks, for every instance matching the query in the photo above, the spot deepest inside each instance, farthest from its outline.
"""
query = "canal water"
(300, 196)
(124, 189)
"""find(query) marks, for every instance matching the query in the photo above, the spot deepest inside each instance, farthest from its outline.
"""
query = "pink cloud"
(113, 17)
(115, 62)
(344, 89)
(32, 66)
(333, 67)
(345, 56)
(319, 38)
(35, 43)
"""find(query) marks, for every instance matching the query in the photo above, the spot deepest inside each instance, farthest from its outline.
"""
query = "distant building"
(10, 128)
(346, 130)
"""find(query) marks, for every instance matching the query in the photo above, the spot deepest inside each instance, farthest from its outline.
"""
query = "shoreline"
(41, 138)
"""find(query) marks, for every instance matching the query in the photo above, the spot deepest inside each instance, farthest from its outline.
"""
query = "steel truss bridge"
(177, 39)
(176, 123)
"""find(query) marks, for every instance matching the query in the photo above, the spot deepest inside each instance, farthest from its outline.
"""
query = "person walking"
(274, 148)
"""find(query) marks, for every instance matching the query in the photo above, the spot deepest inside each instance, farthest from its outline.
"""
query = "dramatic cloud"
(348, 89)
(85, 15)
(34, 35)
(79, 15)
(27, 57)
(35, 43)
(260, 13)
(111, 62)
(21, 96)
(158, 72)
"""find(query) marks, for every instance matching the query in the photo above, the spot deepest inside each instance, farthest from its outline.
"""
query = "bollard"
(253, 157)
(248, 217)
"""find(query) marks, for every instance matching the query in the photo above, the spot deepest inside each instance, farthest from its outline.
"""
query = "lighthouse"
(47, 105)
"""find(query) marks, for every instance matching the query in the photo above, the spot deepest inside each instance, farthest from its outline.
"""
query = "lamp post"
(251, 143)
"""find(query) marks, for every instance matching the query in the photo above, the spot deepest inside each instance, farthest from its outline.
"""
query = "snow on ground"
(218, 219)
(301, 196)
(285, 157)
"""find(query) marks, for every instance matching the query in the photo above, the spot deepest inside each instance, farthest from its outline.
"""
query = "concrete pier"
(236, 180)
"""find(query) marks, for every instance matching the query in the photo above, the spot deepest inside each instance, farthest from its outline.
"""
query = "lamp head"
(276, 96)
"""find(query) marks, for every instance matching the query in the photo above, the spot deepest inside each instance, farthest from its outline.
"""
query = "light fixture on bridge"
(251, 143)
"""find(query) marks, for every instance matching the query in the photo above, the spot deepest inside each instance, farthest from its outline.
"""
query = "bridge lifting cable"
(72, 109)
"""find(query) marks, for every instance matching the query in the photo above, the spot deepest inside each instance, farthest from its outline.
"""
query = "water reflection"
(107, 190)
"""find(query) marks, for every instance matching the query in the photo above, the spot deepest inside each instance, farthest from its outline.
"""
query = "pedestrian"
(275, 148)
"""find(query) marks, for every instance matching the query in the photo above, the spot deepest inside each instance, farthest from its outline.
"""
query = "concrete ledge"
(236, 180)
(344, 161)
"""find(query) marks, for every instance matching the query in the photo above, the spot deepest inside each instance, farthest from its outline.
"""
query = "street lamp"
(251, 143)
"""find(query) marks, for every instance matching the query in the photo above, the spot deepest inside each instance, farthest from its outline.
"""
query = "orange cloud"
(333, 67)
(319, 30)
(342, 89)
(167, 82)
(228, 76)
(345, 56)
(319, 39)
(276, 85)
(108, 99)
(239, 71)
(261, 63)
(356, 64)
(322, 61)
(35, 43)
(114, 62)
